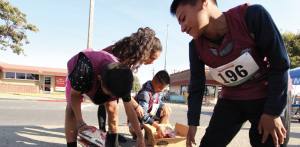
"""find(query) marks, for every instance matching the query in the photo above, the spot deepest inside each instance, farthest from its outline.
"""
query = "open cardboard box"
(152, 139)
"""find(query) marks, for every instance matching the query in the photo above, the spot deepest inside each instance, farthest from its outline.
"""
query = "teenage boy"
(98, 76)
(246, 54)
(149, 106)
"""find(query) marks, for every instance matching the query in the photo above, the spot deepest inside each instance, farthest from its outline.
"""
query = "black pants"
(229, 117)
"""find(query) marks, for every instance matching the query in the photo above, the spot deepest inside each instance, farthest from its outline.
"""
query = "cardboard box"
(152, 139)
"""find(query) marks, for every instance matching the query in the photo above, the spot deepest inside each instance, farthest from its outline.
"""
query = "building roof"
(33, 69)
(183, 77)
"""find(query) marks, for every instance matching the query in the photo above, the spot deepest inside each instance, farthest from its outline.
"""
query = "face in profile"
(152, 57)
(104, 89)
(158, 87)
(193, 19)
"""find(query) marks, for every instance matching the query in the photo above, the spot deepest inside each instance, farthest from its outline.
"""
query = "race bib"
(154, 109)
(236, 72)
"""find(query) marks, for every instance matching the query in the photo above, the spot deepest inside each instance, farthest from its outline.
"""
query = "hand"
(139, 111)
(191, 135)
(166, 111)
(270, 124)
(140, 141)
(161, 132)
(83, 128)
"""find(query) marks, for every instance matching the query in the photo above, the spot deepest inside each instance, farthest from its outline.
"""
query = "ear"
(99, 78)
(153, 81)
(204, 2)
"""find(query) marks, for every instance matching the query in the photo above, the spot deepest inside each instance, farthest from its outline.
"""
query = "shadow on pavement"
(26, 136)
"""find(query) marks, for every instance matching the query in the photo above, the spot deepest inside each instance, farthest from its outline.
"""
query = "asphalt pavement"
(38, 120)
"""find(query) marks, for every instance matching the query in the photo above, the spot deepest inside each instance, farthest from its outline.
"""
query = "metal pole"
(166, 47)
(91, 19)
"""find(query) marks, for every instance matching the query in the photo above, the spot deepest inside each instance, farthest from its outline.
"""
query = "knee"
(170, 110)
(112, 109)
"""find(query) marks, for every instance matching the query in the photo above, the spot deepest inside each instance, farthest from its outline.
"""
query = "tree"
(136, 84)
(292, 43)
(13, 31)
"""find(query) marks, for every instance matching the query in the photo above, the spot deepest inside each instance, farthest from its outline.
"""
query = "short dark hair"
(176, 3)
(162, 77)
(117, 78)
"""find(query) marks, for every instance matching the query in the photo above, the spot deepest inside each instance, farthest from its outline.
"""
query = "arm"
(196, 91)
(271, 45)
(197, 86)
(75, 104)
(138, 109)
(134, 121)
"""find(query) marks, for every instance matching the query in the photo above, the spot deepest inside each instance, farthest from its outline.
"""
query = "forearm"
(76, 107)
(132, 118)
(271, 45)
(197, 86)
(134, 103)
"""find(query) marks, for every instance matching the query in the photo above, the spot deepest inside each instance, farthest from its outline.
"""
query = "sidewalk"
(62, 98)
(32, 97)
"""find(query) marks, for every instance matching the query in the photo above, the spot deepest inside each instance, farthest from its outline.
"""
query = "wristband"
(81, 125)
(136, 107)
(158, 128)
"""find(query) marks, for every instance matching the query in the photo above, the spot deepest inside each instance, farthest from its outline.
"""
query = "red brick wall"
(19, 88)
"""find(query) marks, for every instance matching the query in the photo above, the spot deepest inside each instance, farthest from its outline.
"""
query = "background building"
(180, 83)
(31, 79)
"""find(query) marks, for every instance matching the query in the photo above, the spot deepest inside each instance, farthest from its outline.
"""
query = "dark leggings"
(102, 117)
(229, 117)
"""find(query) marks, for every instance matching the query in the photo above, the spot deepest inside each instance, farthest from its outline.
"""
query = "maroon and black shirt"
(264, 40)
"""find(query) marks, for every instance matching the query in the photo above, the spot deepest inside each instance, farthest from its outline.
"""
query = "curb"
(39, 100)
(41, 95)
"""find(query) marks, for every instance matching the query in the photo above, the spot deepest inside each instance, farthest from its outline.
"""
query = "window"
(10, 75)
(219, 91)
(20, 75)
(25, 76)
(30, 76)
(210, 91)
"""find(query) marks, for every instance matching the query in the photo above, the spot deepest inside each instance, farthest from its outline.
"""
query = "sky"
(63, 26)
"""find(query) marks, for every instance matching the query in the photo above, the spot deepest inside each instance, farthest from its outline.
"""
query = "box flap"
(181, 129)
(151, 131)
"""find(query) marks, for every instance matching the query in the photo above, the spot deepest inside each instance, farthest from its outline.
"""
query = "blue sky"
(63, 28)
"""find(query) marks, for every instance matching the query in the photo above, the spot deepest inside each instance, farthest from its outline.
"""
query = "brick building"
(180, 83)
(31, 79)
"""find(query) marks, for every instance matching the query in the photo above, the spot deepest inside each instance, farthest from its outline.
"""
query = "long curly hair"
(135, 49)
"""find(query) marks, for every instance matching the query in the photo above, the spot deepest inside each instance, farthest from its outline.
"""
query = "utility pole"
(90, 34)
(153, 72)
(166, 47)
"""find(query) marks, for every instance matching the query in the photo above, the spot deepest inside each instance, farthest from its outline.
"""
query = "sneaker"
(121, 138)
(134, 138)
(107, 144)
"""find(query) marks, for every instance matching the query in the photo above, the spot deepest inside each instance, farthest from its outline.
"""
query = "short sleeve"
(82, 74)
(126, 99)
